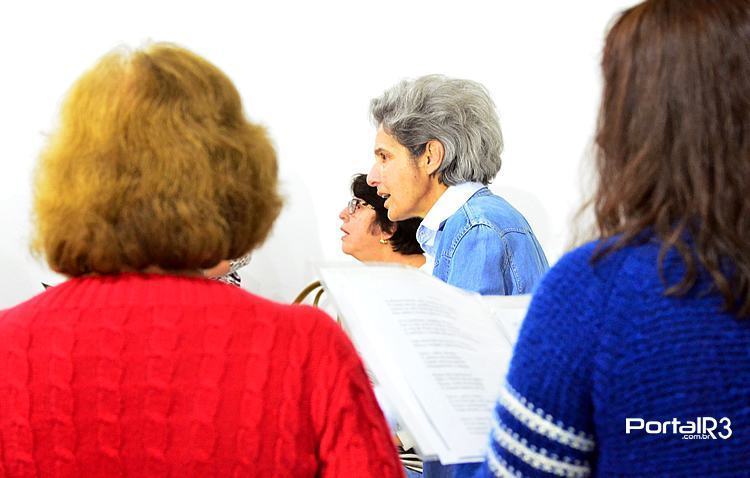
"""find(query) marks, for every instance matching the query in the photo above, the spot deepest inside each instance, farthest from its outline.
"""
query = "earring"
(383, 241)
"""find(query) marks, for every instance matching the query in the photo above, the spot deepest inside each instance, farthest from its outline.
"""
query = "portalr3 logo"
(702, 428)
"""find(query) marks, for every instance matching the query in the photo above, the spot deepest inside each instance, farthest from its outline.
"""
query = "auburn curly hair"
(153, 164)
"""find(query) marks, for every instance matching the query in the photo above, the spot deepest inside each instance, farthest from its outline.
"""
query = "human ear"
(388, 233)
(434, 153)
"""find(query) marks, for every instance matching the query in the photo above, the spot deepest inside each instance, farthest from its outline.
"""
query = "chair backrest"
(316, 288)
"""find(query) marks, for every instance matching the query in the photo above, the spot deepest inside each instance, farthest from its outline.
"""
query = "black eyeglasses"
(357, 203)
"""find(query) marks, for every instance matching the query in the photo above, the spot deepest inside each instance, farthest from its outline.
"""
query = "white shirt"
(447, 204)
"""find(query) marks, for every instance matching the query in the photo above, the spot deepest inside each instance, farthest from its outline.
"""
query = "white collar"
(448, 203)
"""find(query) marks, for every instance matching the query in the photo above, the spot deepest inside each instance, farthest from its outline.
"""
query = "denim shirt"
(487, 246)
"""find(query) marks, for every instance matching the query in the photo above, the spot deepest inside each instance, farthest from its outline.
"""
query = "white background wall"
(307, 70)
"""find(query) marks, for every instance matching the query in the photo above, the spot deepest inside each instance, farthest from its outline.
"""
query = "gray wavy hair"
(458, 113)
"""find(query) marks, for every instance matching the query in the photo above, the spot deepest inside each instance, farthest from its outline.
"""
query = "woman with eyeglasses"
(368, 234)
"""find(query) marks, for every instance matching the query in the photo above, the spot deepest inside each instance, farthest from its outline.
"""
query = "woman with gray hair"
(438, 146)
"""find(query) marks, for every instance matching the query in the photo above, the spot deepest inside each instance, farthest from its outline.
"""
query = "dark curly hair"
(673, 139)
(404, 238)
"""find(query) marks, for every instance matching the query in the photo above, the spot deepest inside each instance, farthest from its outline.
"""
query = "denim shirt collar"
(447, 204)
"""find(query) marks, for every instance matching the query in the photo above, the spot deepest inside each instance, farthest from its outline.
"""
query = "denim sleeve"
(490, 263)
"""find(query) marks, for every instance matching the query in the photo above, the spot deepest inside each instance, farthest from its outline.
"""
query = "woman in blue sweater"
(634, 359)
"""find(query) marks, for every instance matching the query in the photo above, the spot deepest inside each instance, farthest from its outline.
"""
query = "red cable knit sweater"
(166, 376)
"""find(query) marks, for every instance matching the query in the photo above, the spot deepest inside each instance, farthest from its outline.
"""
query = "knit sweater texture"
(153, 375)
(602, 344)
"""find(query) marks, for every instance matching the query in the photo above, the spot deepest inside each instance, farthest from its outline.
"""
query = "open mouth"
(386, 197)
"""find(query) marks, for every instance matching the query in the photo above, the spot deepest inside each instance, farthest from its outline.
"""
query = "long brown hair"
(673, 139)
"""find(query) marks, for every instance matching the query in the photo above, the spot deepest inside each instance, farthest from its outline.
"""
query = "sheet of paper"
(436, 351)
(508, 313)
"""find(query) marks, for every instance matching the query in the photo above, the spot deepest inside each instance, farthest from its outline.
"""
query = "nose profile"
(344, 214)
(373, 177)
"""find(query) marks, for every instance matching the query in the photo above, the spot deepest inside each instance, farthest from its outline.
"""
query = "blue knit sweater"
(602, 344)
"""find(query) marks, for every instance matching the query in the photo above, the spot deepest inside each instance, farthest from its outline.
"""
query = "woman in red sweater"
(137, 365)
